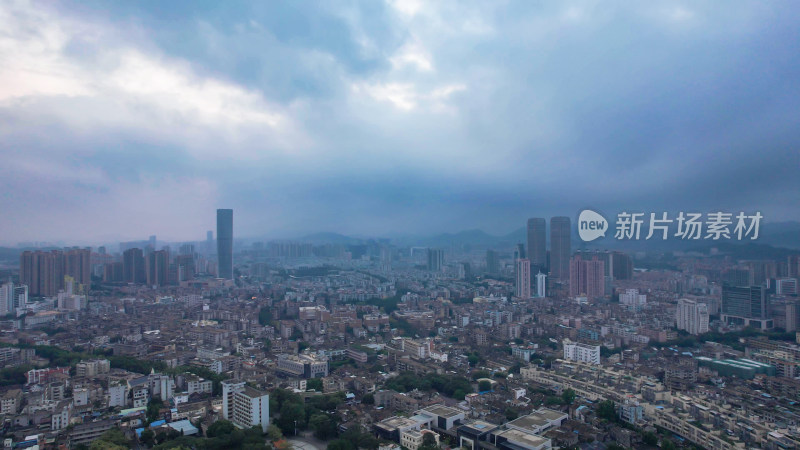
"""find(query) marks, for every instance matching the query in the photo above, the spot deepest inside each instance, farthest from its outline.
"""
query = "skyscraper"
(209, 243)
(586, 277)
(537, 243)
(519, 251)
(621, 266)
(560, 247)
(133, 270)
(492, 262)
(77, 265)
(522, 271)
(225, 243)
(435, 259)
(157, 265)
(42, 272)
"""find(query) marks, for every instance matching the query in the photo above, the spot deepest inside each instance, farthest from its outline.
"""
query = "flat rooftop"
(479, 426)
(526, 439)
(530, 422)
(551, 414)
(396, 423)
(442, 411)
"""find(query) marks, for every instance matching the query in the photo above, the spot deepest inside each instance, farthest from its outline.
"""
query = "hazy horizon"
(373, 118)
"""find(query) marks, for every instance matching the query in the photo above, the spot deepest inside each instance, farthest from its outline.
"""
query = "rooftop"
(527, 439)
(442, 411)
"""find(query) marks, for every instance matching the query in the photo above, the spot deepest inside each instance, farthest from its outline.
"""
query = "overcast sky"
(375, 118)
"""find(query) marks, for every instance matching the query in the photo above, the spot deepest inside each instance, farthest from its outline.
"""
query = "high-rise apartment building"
(157, 268)
(586, 277)
(746, 306)
(133, 267)
(435, 259)
(225, 243)
(621, 266)
(42, 272)
(541, 285)
(560, 247)
(492, 262)
(537, 243)
(523, 278)
(692, 316)
(77, 264)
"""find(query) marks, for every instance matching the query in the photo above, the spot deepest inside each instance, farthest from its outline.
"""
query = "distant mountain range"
(777, 234)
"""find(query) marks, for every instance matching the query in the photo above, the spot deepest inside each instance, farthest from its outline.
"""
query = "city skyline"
(398, 117)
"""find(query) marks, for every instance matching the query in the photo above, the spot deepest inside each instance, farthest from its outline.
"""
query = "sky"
(119, 120)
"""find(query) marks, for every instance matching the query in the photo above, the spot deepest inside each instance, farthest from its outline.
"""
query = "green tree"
(292, 415)
(568, 396)
(113, 439)
(607, 410)
(473, 360)
(153, 409)
(324, 427)
(650, 438)
(552, 400)
(368, 399)
(459, 394)
(341, 444)
(264, 316)
(428, 442)
(511, 414)
(220, 428)
(666, 444)
(315, 384)
(274, 433)
(148, 437)
(484, 386)
(476, 374)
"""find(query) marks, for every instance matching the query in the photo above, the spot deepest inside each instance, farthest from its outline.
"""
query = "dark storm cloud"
(390, 117)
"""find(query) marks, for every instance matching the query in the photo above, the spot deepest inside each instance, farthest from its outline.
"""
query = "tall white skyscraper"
(541, 285)
(523, 275)
(692, 316)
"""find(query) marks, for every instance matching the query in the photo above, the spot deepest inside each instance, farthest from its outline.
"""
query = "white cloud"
(412, 54)
(122, 87)
(407, 96)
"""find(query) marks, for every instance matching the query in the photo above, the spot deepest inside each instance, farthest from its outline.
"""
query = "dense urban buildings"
(365, 329)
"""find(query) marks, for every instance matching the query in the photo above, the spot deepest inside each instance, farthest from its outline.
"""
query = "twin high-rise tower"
(560, 246)
(225, 243)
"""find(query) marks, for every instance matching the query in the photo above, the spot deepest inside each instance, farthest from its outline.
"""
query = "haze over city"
(388, 118)
(399, 225)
